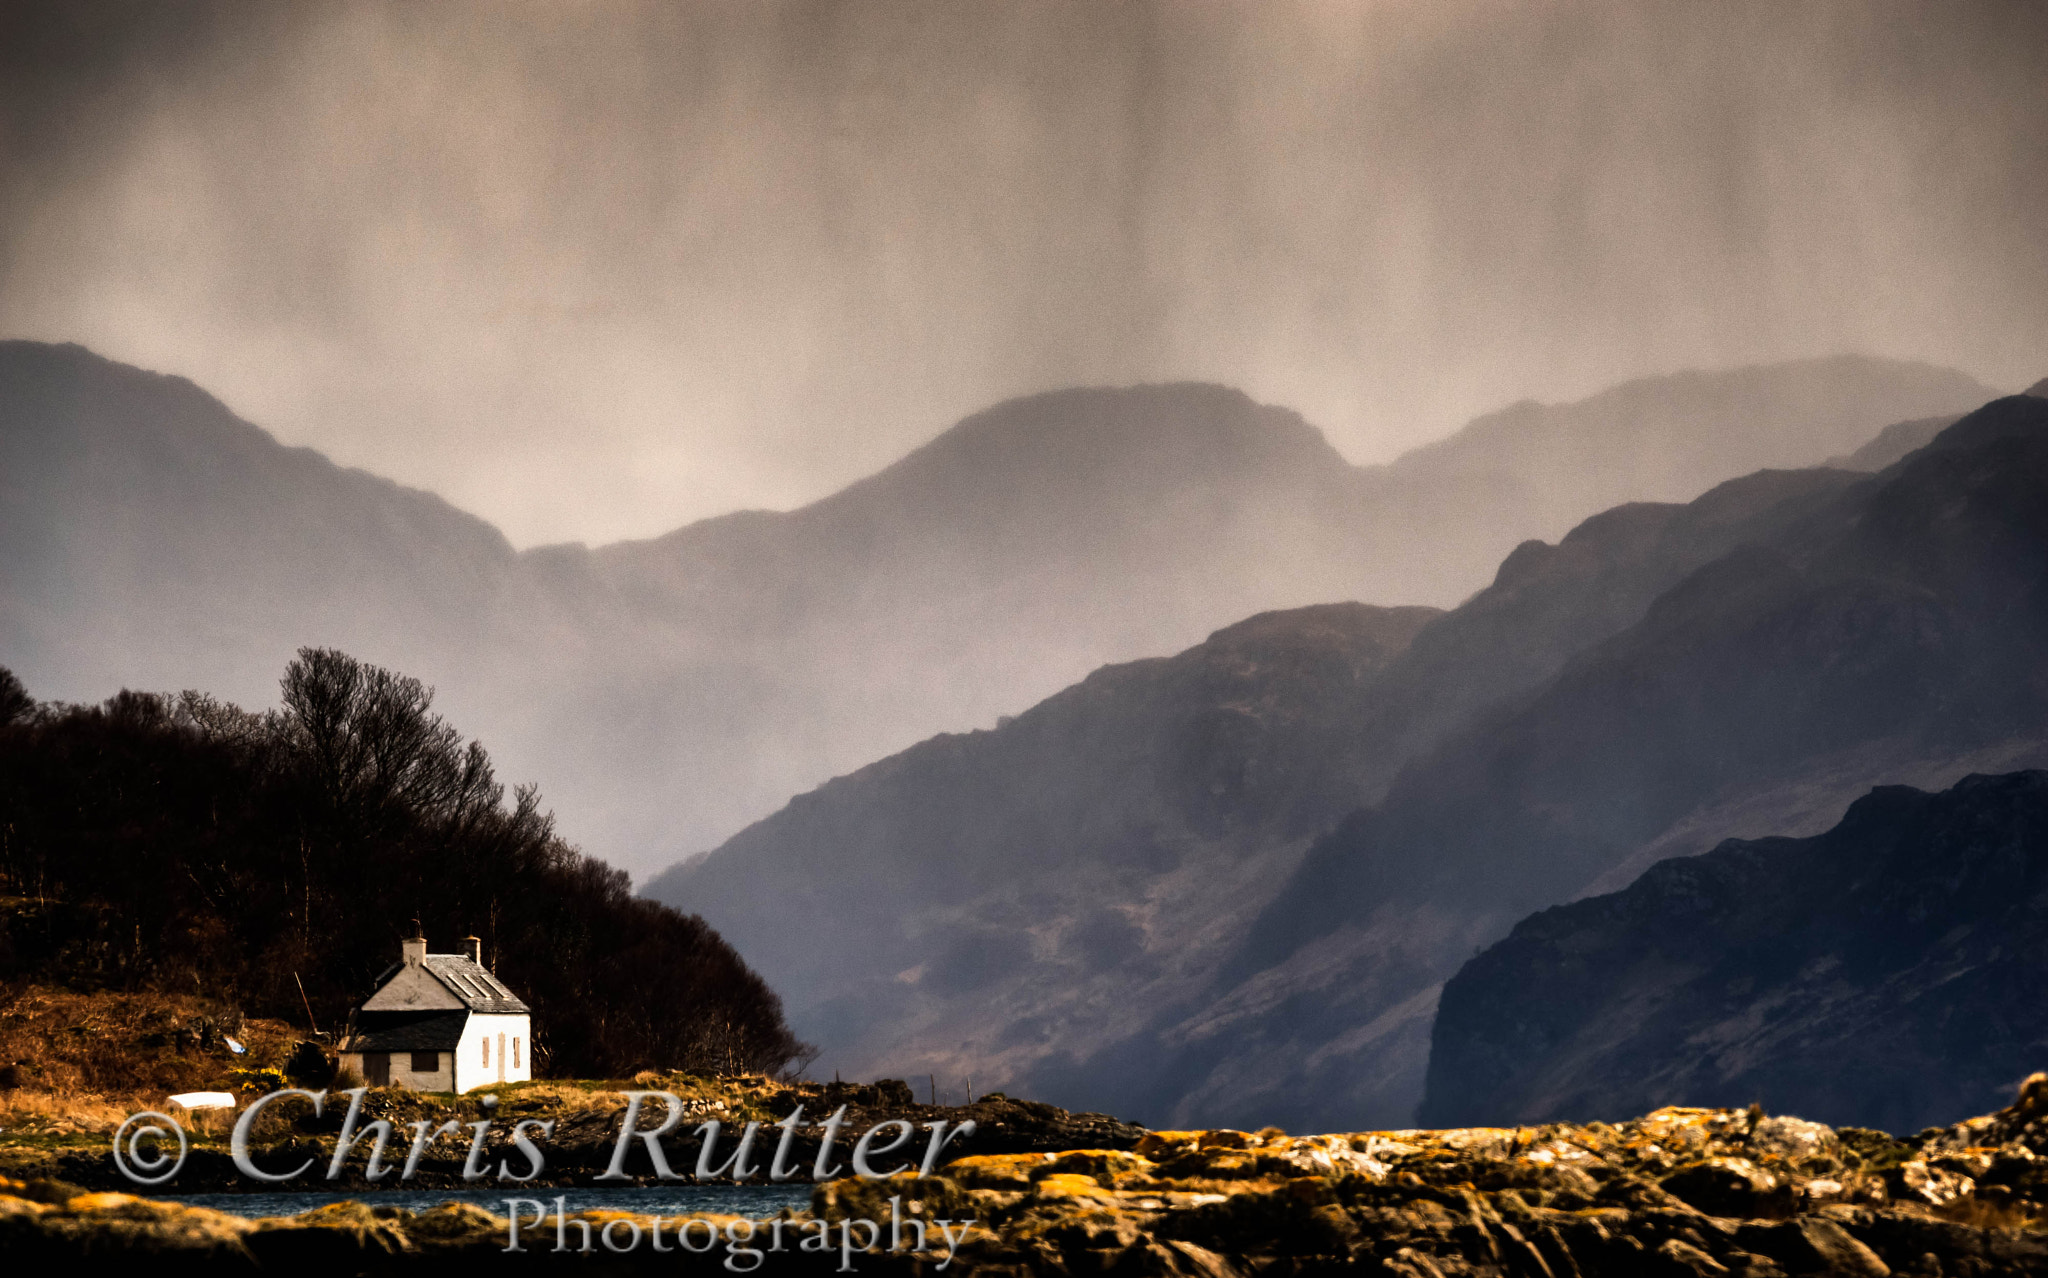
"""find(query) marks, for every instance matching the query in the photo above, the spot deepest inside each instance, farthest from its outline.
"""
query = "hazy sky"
(594, 270)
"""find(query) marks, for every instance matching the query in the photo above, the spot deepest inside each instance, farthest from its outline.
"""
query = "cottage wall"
(402, 1073)
(495, 1049)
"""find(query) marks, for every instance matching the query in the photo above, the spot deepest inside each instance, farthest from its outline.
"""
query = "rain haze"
(1034, 337)
(591, 272)
(1163, 558)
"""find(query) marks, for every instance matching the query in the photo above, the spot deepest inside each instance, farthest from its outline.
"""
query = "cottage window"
(487, 1051)
(426, 1062)
(515, 1053)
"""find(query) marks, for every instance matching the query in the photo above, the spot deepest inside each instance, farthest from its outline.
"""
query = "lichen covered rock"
(1681, 1191)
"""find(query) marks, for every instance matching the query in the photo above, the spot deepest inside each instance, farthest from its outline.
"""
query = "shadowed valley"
(1662, 678)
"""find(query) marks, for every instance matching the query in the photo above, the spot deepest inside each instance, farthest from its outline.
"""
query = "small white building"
(440, 1023)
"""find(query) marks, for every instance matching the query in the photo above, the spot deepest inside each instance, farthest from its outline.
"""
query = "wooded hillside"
(180, 843)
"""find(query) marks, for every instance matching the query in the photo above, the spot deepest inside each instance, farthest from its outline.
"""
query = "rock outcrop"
(586, 1119)
(1876, 974)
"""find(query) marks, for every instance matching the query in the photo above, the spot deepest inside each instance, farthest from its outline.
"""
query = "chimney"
(474, 948)
(414, 947)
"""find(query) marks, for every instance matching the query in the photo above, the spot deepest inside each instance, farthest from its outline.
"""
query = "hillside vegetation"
(271, 862)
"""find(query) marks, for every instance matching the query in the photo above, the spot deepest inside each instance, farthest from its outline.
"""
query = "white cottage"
(440, 1023)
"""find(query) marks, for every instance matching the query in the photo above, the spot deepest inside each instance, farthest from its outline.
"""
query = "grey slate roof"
(470, 982)
(473, 984)
(408, 1032)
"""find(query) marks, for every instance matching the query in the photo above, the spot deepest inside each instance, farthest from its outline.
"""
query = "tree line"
(274, 860)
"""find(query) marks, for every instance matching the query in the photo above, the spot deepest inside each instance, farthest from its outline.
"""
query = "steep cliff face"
(1884, 974)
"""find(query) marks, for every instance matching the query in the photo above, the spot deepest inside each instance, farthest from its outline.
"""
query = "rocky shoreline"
(586, 1134)
(1680, 1191)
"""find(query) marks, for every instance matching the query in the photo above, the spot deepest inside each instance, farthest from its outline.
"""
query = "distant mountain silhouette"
(1535, 470)
(1884, 974)
(669, 691)
(1663, 677)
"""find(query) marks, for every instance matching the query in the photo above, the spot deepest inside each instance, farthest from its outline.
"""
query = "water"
(755, 1201)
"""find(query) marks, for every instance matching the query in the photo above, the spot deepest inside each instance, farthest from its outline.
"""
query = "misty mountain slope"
(670, 691)
(1810, 799)
(1907, 617)
(1060, 478)
(1021, 549)
(1049, 535)
(150, 537)
(1365, 991)
(1070, 476)
(1886, 973)
(1894, 442)
(1546, 604)
(1535, 470)
(990, 895)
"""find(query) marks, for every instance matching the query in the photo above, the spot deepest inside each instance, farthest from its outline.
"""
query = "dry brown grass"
(73, 1066)
(57, 1114)
(1979, 1213)
(114, 1046)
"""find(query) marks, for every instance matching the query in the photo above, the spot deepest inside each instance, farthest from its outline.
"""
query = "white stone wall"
(506, 1063)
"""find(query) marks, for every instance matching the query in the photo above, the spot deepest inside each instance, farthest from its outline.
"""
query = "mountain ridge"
(674, 690)
(1794, 664)
(1499, 758)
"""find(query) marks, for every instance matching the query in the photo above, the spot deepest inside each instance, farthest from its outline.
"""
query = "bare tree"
(15, 703)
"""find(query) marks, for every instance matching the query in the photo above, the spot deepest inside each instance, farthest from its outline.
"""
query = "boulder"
(1813, 1245)
(1726, 1187)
